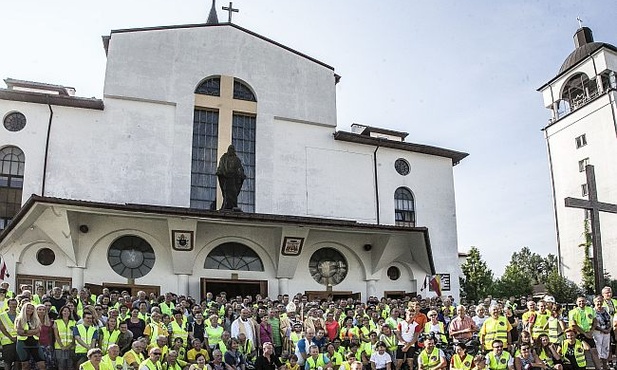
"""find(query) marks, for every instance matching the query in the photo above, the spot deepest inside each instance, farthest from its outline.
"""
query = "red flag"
(4, 272)
(435, 284)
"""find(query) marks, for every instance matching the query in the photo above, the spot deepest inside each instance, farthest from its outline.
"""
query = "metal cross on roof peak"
(230, 9)
(580, 22)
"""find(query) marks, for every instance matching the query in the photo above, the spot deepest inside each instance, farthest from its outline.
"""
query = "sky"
(455, 74)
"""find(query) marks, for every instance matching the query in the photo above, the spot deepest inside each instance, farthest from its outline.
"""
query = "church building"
(582, 131)
(122, 191)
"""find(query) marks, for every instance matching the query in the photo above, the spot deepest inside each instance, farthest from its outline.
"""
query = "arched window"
(579, 90)
(221, 110)
(12, 162)
(404, 209)
(233, 256)
(209, 86)
(243, 92)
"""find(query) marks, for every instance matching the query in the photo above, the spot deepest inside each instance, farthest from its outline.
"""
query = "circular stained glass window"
(328, 266)
(45, 256)
(394, 273)
(14, 121)
(131, 256)
(402, 167)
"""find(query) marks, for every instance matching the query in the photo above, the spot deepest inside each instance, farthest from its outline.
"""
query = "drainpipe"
(376, 182)
(51, 117)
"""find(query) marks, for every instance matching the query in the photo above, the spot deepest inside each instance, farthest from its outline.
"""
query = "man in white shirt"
(245, 324)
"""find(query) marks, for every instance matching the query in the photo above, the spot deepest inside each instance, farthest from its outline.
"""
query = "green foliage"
(588, 283)
(515, 281)
(562, 289)
(536, 267)
(477, 279)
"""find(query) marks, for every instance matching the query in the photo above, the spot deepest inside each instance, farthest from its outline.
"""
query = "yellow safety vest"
(65, 332)
(9, 325)
(24, 337)
(86, 334)
(214, 334)
(150, 365)
(502, 364)
(553, 330)
(88, 366)
(579, 352)
(314, 364)
(539, 326)
(464, 364)
(391, 342)
(166, 308)
(111, 363)
(155, 329)
(178, 332)
(108, 338)
(546, 358)
(430, 361)
(495, 329)
(139, 358)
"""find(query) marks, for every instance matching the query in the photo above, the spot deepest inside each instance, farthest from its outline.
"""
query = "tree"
(588, 283)
(533, 265)
(515, 281)
(562, 289)
(477, 281)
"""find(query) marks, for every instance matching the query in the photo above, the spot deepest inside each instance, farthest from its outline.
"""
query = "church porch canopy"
(60, 222)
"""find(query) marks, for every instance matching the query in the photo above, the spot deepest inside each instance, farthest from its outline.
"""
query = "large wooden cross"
(595, 207)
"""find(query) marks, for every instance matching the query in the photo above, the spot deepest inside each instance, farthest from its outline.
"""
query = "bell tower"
(582, 130)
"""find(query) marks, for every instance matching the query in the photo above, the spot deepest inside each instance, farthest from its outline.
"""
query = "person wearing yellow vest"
(380, 359)
(178, 328)
(95, 357)
(64, 344)
(9, 293)
(112, 359)
(336, 358)
(161, 343)
(431, 357)
(461, 360)
(246, 347)
(435, 326)
(316, 360)
(390, 340)
(86, 337)
(498, 358)
(573, 351)
(496, 327)
(581, 318)
(172, 362)
(213, 332)
(167, 306)
(540, 325)
(153, 362)
(9, 337)
(38, 296)
(548, 353)
(155, 328)
(109, 334)
(134, 357)
(28, 327)
(555, 326)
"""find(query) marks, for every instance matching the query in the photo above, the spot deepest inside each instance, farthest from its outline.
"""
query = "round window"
(402, 167)
(394, 273)
(328, 266)
(45, 256)
(131, 256)
(14, 121)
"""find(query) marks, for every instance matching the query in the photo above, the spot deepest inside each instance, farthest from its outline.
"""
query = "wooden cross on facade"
(594, 207)
(230, 9)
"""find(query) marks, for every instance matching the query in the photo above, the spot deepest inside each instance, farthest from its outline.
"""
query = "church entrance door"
(234, 288)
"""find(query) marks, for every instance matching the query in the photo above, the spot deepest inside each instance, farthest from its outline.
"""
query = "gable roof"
(106, 39)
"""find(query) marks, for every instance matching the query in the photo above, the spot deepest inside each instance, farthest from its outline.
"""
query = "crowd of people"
(75, 329)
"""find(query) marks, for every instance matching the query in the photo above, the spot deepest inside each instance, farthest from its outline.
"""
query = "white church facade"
(582, 131)
(122, 192)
